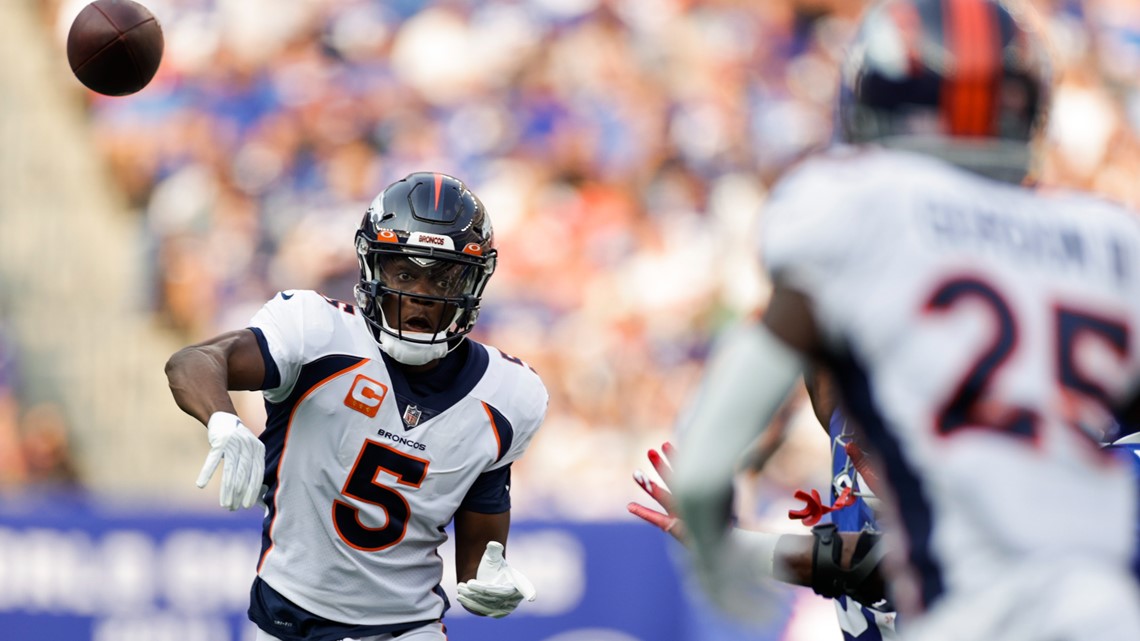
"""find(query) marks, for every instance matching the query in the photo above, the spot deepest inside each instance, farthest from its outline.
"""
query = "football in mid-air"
(115, 46)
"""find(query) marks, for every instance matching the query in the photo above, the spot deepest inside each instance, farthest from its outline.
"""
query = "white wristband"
(756, 549)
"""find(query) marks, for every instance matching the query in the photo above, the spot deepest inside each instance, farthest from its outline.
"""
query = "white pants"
(430, 632)
(1056, 600)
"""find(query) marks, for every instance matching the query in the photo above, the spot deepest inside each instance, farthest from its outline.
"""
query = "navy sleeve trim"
(272, 374)
(504, 433)
(490, 493)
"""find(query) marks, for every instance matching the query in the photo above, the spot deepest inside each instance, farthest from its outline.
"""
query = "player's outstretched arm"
(786, 558)
(796, 559)
(488, 585)
(749, 377)
(200, 377)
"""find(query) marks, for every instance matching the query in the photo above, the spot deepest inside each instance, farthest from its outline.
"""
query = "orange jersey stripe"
(285, 444)
(494, 429)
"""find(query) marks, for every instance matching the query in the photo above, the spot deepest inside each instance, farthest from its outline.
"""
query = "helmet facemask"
(418, 299)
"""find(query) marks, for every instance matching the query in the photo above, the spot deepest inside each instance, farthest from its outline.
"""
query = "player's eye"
(450, 278)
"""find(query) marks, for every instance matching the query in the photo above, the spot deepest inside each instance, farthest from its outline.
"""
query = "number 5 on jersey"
(362, 486)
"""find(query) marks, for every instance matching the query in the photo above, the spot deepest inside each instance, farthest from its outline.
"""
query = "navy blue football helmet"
(965, 80)
(433, 223)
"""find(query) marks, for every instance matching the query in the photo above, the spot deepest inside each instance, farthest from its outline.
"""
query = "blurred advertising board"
(73, 569)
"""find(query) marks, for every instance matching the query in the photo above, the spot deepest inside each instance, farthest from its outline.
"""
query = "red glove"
(667, 521)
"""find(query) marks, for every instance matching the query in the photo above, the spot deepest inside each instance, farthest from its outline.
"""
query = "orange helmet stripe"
(968, 101)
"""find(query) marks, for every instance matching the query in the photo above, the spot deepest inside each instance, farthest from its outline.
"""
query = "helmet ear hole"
(467, 314)
(363, 299)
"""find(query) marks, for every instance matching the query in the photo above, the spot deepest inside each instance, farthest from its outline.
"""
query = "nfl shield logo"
(412, 416)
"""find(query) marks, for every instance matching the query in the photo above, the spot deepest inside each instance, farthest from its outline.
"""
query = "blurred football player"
(824, 559)
(385, 423)
(833, 566)
(980, 332)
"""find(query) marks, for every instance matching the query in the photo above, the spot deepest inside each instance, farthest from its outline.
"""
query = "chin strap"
(423, 349)
(410, 353)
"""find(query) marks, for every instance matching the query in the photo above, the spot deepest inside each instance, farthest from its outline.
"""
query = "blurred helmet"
(965, 80)
(428, 227)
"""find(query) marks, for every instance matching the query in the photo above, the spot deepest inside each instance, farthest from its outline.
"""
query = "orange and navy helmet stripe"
(969, 97)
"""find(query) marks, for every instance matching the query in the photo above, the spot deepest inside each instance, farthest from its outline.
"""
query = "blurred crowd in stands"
(623, 148)
(34, 437)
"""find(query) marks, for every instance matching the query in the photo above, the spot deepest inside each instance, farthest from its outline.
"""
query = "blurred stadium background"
(622, 147)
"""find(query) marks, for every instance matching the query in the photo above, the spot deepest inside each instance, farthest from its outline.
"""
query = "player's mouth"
(418, 324)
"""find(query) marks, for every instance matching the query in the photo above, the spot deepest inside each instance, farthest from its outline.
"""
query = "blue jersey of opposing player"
(857, 621)
(1129, 450)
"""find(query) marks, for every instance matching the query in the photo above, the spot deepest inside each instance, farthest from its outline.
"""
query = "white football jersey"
(980, 331)
(365, 474)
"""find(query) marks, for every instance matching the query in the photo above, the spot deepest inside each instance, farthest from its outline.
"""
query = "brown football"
(115, 46)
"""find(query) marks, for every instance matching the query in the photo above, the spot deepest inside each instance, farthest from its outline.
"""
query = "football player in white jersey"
(980, 332)
(385, 424)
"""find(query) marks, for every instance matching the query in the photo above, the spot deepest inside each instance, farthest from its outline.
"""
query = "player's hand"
(497, 588)
(730, 579)
(703, 500)
(244, 454)
(667, 520)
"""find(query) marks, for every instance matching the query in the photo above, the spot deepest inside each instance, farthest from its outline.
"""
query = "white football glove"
(244, 453)
(497, 588)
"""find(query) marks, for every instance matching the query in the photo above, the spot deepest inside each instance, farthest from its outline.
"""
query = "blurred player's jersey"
(856, 621)
(364, 473)
(980, 331)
